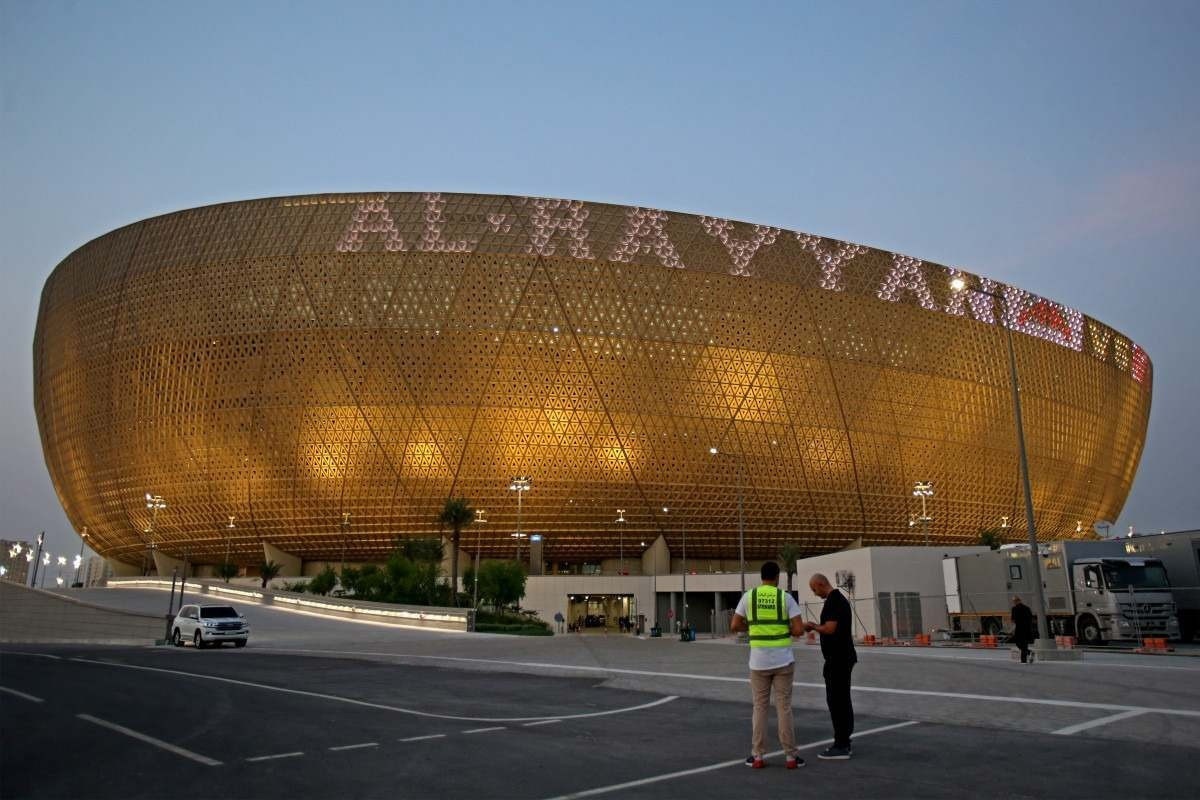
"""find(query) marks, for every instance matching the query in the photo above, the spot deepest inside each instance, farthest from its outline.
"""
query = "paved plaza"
(321, 707)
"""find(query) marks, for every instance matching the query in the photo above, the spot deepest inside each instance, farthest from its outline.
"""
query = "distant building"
(96, 571)
(16, 568)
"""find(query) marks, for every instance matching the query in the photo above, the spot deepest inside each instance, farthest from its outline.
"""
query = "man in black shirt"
(837, 646)
(1022, 619)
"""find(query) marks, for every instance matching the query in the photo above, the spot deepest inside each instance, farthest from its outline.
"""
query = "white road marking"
(141, 737)
(1083, 726)
(23, 653)
(354, 746)
(1037, 701)
(423, 738)
(997, 660)
(277, 755)
(366, 704)
(22, 695)
(683, 773)
(541, 722)
(485, 730)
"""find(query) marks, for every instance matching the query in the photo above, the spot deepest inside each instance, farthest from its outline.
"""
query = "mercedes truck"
(1095, 591)
(1180, 553)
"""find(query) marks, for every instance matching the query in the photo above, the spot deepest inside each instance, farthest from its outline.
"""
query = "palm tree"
(268, 570)
(458, 514)
(789, 554)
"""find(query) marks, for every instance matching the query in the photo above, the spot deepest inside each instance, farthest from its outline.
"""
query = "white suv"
(205, 625)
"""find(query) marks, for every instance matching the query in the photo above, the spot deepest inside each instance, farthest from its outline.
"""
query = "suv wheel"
(198, 641)
(177, 638)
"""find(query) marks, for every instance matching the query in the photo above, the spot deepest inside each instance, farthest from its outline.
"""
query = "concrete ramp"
(33, 615)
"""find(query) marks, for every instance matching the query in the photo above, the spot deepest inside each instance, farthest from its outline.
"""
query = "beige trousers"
(762, 681)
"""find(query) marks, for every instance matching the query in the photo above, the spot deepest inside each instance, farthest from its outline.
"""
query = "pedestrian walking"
(1022, 619)
(837, 647)
(772, 618)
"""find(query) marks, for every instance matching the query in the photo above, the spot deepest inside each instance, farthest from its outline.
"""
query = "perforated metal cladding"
(286, 361)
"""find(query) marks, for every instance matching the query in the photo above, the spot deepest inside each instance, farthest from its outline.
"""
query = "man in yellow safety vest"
(772, 617)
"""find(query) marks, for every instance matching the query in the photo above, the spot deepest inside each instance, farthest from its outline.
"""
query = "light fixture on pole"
(345, 535)
(923, 489)
(621, 541)
(958, 284)
(480, 519)
(519, 484)
(36, 558)
(155, 503)
(713, 451)
(683, 532)
(229, 536)
(83, 535)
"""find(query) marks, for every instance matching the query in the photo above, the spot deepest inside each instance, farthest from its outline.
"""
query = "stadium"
(320, 373)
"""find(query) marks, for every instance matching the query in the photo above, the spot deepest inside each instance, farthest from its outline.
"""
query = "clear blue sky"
(1051, 145)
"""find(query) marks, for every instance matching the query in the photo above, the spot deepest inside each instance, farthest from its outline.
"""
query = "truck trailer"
(1094, 591)
(1180, 554)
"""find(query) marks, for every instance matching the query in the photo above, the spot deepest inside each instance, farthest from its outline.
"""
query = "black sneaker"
(755, 762)
(834, 753)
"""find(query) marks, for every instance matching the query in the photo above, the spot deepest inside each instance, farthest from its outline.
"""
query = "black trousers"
(1023, 645)
(837, 697)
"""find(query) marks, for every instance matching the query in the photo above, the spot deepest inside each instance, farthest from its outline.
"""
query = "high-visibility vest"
(767, 608)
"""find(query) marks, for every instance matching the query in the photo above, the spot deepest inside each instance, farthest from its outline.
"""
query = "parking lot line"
(485, 730)
(1036, 701)
(423, 738)
(354, 746)
(366, 704)
(542, 722)
(1095, 723)
(141, 737)
(22, 695)
(683, 773)
(276, 755)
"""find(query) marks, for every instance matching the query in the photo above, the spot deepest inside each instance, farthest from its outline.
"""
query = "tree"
(789, 554)
(323, 582)
(991, 537)
(501, 582)
(268, 570)
(458, 514)
(425, 557)
(225, 571)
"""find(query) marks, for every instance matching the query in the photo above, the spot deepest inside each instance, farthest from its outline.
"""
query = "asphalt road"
(124, 722)
(333, 708)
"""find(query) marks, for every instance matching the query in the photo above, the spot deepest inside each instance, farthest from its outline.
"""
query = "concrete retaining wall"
(451, 619)
(32, 615)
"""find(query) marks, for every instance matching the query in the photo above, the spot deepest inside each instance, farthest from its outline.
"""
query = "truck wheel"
(1089, 631)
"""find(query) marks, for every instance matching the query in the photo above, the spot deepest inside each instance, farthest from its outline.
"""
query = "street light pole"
(345, 535)
(519, 484)
(83, 535)
(923, 489)
(713, 451)
(621, 541)
(958, 284)
(480, 518)
(37, 559)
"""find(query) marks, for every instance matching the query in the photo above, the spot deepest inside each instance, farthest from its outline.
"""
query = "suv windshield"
(1121, 575)
(217, 611)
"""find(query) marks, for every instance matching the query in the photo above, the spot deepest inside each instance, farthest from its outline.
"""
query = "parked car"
(203, 625)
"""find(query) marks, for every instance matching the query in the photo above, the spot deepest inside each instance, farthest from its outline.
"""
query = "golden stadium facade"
(326, 370)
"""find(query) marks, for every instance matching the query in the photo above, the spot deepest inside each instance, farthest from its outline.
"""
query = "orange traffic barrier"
(987, 640)
(1065, 642)
(1154, 644)
(922, 640)
(869, 640)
